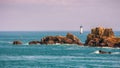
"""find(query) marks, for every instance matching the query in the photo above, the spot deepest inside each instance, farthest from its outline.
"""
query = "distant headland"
(99, 37)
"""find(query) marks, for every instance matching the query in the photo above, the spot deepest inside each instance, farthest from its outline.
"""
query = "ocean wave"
(109, 47)
(61, 59)
(97, 52)
(61, 44)
(67, 61)
(103, 65)
(6, 42)
(9, 42)
(37, 57)
(116, 53)
(24, 57)
(25, 44)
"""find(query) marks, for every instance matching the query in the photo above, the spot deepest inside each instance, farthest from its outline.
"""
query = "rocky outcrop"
(34, 42)
(68, 39)
(103, 37)
(17, 42)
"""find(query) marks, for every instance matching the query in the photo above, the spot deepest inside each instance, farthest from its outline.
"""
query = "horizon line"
(43, 30)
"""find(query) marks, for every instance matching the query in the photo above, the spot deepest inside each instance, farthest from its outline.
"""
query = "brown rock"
(98, 31)
(71, 36)
(108, 33)
(17, 42)
(34, 42)
(50, 40)
(69, 39)
(103, 37)
(74, 39)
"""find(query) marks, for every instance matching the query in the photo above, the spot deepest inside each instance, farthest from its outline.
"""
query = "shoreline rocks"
(17, 42)
(102, 37)
(99, 37)
(68, 39)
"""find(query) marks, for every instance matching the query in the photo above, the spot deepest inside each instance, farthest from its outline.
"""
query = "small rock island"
(102, 37)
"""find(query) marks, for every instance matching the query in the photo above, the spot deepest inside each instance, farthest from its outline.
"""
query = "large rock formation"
(103, 37)
(17, 42)
(68, 39)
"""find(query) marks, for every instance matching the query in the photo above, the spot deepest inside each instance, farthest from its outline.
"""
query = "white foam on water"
(5, 42)
(96, 52)
(25, 44)
(57, 44)
(115, 53)
(109, 47)
(30, 44)
(61, 44)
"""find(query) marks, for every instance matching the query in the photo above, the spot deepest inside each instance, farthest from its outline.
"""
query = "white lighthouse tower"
(81, 29)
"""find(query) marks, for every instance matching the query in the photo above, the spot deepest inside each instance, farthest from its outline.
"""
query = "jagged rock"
(108, 33)
(98, 31)
(68, 39)
(103, 37)
(17, 42)
(34, 42)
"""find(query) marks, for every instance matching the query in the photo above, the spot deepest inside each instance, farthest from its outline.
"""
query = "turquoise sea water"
(53, 56)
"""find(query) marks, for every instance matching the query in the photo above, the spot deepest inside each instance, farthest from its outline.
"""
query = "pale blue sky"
(58, 15)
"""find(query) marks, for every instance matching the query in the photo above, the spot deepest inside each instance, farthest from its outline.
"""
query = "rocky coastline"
(99, 37)
(68, 39)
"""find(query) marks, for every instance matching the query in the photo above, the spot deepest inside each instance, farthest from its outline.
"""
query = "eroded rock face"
(17, 42)
(103, 37)
(68, 39)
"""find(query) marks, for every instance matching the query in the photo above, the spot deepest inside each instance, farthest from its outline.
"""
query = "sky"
(58, 15)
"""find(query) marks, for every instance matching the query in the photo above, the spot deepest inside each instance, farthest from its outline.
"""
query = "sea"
(53, 56)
